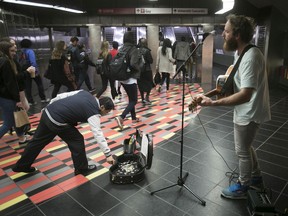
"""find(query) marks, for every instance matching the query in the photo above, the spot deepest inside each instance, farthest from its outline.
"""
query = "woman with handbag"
(9, 90)
(21, 80)
(164, 62)
(59, 70)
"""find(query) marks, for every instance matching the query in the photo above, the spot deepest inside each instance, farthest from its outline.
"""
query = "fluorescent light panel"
(43, 5)
(227, 6)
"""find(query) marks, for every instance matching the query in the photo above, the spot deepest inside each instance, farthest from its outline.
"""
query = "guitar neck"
(211, 93)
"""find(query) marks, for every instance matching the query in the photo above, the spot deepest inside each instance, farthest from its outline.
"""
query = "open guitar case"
(137, 156)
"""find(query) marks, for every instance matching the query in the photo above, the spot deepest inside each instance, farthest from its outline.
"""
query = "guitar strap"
(228, 85)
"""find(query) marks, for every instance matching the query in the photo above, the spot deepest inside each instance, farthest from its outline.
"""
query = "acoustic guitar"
(221, 80)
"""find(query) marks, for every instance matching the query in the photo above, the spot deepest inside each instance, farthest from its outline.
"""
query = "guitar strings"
(232, 174)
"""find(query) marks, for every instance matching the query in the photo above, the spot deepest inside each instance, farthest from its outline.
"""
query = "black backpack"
(119, 66)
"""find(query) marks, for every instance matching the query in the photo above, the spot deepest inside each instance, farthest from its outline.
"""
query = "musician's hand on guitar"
(205, 101)
(195, 101)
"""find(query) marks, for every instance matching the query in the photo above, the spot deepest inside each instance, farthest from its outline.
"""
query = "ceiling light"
(227, 6)
(43, 5)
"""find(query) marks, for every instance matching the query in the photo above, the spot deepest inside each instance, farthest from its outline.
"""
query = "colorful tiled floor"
(54, 190)
(55, 173)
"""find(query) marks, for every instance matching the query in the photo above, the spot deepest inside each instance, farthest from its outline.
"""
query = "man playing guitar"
(250, 100)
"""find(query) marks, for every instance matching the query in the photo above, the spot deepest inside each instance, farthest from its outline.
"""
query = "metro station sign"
(153, 10)
(190, 11)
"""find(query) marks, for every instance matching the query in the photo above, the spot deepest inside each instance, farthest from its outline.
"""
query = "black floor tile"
(275, 150)
(237, 207)
(121, 209)
(119, 191)
(93, 198)
(273, 169)
(146, 205)
(211, 209)
(32, 212)
(63, 205)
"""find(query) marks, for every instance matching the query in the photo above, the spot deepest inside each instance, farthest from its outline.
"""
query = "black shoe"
(24, 169)
(87, 171)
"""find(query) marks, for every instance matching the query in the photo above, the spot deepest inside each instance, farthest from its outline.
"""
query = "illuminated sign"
(153, 10)
(190, 11)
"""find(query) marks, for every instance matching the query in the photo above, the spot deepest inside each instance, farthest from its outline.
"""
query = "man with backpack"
(130, 84)
(27, 58)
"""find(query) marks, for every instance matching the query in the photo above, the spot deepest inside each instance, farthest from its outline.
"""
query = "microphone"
(207, 33)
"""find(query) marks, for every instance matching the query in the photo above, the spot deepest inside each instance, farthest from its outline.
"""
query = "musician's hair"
(242, 25)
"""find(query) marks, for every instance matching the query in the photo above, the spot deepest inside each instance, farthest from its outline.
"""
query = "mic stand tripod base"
(181, 183)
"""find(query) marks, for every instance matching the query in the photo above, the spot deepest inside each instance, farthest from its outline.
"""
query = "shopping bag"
(21, 119)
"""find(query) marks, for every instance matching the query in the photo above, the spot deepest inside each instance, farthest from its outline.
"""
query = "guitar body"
(221, 80)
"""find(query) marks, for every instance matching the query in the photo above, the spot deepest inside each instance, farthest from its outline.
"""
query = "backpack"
(23, 60)
(99, 66)
(119, 66)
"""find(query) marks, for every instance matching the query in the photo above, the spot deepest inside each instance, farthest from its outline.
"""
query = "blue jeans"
(132, 92)
(83, 76)
(7, 107)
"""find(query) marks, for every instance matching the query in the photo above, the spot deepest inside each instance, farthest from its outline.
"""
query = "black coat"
(145, 83)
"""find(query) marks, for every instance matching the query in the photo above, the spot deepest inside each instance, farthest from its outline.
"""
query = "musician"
(250, 101)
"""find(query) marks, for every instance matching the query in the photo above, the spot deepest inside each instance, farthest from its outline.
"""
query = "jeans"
(28, 89)
(7, 107)
(45, 133)
(167, 77)
(83, 76)
(248, 162)
(183, 68)
(132, 92)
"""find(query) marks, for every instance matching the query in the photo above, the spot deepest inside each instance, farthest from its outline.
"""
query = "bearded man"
(250, 101)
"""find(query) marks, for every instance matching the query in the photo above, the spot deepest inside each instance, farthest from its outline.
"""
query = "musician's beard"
(230, 45)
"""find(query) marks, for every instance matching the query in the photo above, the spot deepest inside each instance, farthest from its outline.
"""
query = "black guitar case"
(130, 166)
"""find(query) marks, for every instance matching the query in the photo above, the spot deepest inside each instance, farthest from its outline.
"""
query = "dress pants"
(45, 133)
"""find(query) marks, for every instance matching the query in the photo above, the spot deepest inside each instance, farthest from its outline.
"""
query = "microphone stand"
(181, 178)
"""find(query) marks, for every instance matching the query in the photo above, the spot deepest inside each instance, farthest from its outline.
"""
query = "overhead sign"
(190, 11)
(114, 11)
(153, 10)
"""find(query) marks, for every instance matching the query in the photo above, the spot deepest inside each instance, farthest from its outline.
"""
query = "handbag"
(21, 119)
(157, 78)
(99, 66)
(48, 73)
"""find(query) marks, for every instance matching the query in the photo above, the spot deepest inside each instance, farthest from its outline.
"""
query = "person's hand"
(204, 101)
(19, 104)
(110, 160)
(31, 69)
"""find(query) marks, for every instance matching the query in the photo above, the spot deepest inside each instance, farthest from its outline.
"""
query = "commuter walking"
(145, 83)
(130, 85)
(107, 57)
(164, 63)
(59, 69)
(27, 58)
